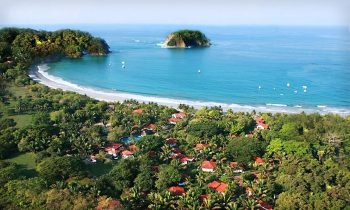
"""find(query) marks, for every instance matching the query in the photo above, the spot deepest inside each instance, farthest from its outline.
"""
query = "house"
(171, 141)
(151, 127)
(249, 135)
(264, 205)
(112, 148)
(235, 167)
(137, 111)
(218, 186)
(176, 190)
(173, 120)
(260, 123)
(176, 155)
(258, 160)
(127, 154)
(133, 148)
(179, 115)
(111, 151)
(233, 164)
(208, 166)
(184, 160)
(200, 146)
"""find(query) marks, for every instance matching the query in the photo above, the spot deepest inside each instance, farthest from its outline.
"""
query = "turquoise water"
(281, 60)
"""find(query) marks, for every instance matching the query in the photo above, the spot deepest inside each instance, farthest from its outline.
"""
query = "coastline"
(39, 74)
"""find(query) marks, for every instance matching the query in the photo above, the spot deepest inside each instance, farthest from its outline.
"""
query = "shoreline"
(39, 74)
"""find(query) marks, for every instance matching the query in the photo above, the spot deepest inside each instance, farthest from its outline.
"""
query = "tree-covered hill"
(187, 38)
(23, 45)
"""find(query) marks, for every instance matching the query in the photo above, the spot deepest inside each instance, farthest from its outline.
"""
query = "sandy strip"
(39, 74)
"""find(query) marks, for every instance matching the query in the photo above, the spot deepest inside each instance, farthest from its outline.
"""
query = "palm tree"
(189, 200)
(250, 204)
(165, 153)
(209, 203)
(231, 206)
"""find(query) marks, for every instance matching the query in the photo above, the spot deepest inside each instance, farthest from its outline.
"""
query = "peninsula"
(186, 39)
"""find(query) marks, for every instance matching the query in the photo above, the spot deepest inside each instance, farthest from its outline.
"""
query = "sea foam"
(41, 75)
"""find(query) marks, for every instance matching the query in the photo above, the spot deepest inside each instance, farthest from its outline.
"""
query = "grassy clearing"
(22, 120)
(19, 91)
(26, 162)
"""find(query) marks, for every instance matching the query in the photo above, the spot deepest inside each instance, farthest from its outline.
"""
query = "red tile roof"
(208, 164)
(218, 186)
(133, 148)
(175, 120)
(111, 150)
(265, 126)
(233, 164)
(138, 111)
(179, 115)
(151, 126)
(127, 152)
(264, 205)
(259, 120)
(249, 135)
(177, 156)
(200, 146)
(177, 190)
(185, 158)
(115, 145)
(258, 160)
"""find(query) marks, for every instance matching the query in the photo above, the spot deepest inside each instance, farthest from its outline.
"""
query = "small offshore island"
(186, 39)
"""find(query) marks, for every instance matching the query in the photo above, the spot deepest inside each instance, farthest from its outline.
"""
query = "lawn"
(26, 162)
(22, 120)
(19, 91)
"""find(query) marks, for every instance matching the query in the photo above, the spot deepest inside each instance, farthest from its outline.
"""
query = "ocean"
(277, 66)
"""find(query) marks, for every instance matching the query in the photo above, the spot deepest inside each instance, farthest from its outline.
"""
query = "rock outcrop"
(186, 39)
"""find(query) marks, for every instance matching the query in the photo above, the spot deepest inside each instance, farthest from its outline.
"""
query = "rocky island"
(186, 38)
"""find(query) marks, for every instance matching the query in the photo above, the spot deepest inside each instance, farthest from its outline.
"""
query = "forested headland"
(62, 150)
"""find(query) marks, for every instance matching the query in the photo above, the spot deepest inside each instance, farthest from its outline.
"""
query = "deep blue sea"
(248, 65)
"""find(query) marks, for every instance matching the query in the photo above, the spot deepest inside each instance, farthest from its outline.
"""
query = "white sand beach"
(39, 74)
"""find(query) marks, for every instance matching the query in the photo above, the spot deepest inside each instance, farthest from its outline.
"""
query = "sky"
(203, 12)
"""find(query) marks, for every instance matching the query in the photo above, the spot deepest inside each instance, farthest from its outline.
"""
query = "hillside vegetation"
(187, 38)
